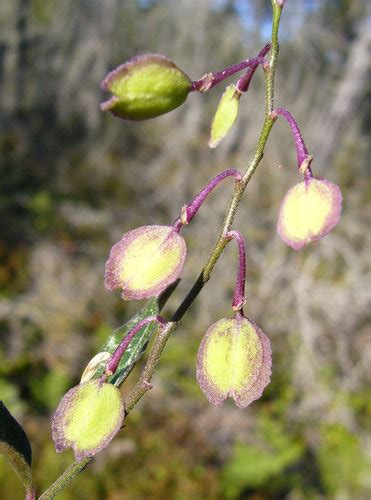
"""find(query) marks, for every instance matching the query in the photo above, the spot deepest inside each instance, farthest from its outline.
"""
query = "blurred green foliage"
(73, 180)
(264, 463)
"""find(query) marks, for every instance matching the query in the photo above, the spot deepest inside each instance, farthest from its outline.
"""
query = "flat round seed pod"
(234, 360)
(87, 418)
(145, 261)
(308, 212)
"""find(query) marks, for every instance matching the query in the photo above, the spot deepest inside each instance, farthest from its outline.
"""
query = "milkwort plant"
(234, 357)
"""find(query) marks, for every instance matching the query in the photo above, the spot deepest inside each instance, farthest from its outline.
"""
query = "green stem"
(163, 334)
(271, 71)
(65, 479)
(144, 382)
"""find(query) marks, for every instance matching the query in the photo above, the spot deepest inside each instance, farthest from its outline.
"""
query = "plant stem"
(223, 239)
(244, 81)
(163, 334)
(190, 210)
(64, 480)
(144, 382)
(304, 159)
(211, 79)
(239, 291)
(271, 72)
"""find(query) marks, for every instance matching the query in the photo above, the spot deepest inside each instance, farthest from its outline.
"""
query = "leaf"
(15, 446)
(139, 343)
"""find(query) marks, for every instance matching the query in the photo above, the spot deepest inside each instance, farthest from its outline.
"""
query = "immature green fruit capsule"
(234, 360)
(144, 87)
(225, 115)
(87, 418)
(308, 212)
(145, 261)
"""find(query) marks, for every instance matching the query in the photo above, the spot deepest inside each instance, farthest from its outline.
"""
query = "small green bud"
(87, 418)
(144, 87)
(225, 115)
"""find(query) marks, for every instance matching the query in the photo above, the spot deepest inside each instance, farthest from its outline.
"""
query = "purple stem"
(190, 210)
(244, 82)
(239, 291)
(115, 358)
(211, 79)
(304, 159)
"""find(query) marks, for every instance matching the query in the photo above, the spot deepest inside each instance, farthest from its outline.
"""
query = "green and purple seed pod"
(145, 261)
(311, 208)
(144, 87)
(87, 418)
(234, 360)
(308, 212)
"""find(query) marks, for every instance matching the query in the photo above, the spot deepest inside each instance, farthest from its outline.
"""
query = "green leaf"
(139, 343)
(15, 446)
(137, 346)
(269, 456)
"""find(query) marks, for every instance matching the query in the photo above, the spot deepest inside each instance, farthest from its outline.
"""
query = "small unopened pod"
(145, 261)
(308, 212)
(225, 115)
(234, 360)
(87, 418)
(144, 87)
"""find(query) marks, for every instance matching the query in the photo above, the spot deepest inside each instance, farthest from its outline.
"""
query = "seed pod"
(145, 261)
(144, 87)
(234, 360)
(225, 115)
(87, 418)
(308, 212)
